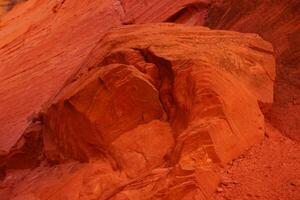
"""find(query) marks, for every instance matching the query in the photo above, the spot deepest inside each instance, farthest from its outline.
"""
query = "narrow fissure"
(166, 81)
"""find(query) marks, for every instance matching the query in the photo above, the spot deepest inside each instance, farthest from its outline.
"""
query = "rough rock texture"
(154, 110)
(277, 21)
(151, 113)
(133, 76)
(268, 171)
(39, 37)
(43, 42)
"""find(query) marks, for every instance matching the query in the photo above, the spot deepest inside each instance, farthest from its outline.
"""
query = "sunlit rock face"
(150, 114)
(278, 22)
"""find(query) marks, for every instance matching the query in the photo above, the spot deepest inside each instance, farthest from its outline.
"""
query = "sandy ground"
(267, 171)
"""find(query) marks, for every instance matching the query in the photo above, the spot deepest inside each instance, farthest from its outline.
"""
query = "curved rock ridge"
(133, 76)
(154, 110)
(43, 42)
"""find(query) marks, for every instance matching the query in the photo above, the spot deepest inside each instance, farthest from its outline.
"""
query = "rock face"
(39, 37)
(3, 7)
(278, 22)
(7, 5)
(43, 42)
(152, 111)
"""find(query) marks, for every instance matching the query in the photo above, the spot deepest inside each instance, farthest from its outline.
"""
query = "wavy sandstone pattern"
(150, 115)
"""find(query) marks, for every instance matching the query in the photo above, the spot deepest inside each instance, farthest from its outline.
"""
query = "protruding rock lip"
(133, 39)
(254, 42)
(157, 53)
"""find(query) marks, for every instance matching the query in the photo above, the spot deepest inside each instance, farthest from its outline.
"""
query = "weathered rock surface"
(43, 42)
(133, 77)
(277, 21)
(150, 114)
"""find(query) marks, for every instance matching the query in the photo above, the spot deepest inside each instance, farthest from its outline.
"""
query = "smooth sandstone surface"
(150, 114)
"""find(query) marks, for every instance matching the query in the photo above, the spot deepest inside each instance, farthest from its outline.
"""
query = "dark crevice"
(261, 49)
(58, 5)
(27, 153)
(166, 76)
(166, 81)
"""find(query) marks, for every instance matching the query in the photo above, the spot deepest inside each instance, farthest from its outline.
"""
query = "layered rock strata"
(150, 114)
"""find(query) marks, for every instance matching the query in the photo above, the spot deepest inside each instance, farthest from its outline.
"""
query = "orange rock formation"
(101, 101)
(46, 41)
(153, 110)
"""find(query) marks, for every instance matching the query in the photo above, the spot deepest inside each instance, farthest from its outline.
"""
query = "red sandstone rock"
(26, 153)
(159, 144)
(7, 5)
(43, 42)
(114, 96)
(276, 21)
(98, 108)
(150, 114)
